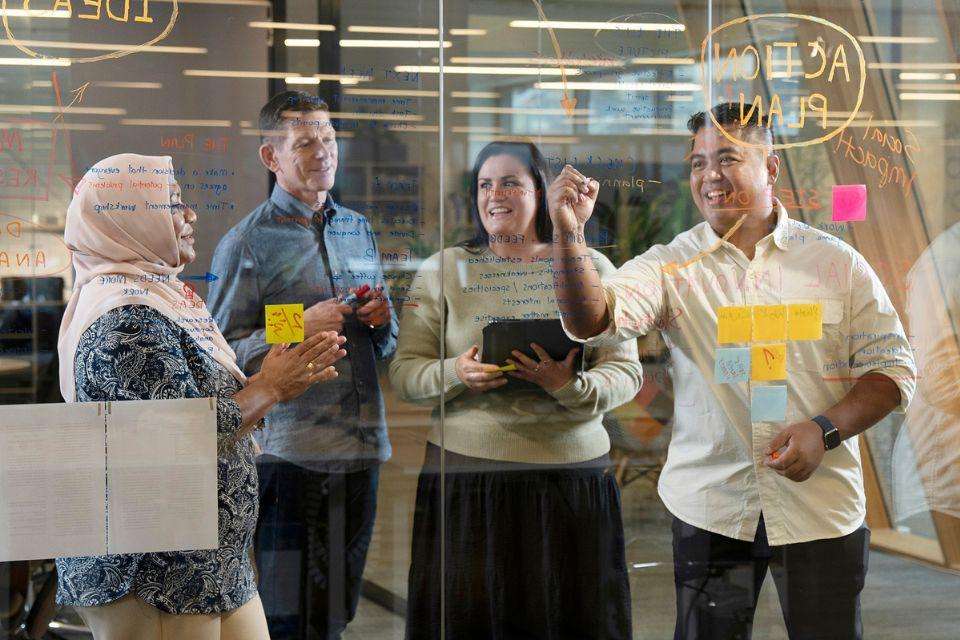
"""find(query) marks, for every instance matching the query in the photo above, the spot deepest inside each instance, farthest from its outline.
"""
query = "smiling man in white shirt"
(750, 489)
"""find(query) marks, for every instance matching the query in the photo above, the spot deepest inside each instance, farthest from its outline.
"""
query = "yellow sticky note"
(769, 323)
(806, 321)
(768, 362)
(284, 322)
(733, 324)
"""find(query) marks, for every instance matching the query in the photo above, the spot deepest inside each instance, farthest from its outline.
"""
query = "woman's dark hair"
(528, 154)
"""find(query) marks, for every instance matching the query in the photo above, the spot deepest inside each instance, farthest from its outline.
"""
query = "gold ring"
(310, 365)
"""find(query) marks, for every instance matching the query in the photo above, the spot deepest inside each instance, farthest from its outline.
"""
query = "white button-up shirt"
(714, 477)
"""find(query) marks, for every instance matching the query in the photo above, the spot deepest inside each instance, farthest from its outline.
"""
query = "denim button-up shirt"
(276, 255)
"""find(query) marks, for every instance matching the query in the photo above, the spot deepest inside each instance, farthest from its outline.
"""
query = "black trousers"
(718, 581)
(531, 552)
(311, 546)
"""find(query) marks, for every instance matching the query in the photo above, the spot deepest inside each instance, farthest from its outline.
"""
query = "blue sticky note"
(732, 365)
(768, 404)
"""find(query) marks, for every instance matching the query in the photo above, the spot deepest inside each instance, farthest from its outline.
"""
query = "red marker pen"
(353, 297)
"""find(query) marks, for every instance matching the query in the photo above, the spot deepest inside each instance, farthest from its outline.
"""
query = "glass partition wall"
(443, 485)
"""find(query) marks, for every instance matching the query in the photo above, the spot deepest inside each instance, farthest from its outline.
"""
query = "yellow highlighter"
(507, 367)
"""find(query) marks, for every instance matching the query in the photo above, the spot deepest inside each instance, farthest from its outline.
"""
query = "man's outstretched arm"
(576, 282)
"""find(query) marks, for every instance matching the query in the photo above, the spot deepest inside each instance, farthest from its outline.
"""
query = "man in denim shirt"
(322, 451)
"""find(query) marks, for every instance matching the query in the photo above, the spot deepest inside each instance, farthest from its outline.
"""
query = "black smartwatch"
(831, 436)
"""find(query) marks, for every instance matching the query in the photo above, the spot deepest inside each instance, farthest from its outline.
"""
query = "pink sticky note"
(849, 202)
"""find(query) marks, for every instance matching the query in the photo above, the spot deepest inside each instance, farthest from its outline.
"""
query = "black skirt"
(532, 551)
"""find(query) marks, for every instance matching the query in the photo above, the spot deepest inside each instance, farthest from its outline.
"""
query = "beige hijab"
(120, 230)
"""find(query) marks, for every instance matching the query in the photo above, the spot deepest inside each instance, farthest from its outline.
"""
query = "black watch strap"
(831, 435)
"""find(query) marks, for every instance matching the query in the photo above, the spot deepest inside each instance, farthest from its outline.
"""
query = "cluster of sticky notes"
(767, 328)
(284, 322)
(760, 363)
(774, 323)
(849, 202)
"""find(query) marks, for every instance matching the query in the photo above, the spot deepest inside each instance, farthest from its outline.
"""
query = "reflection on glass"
(925, 448)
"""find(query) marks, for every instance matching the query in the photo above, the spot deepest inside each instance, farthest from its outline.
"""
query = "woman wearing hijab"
(133, 331)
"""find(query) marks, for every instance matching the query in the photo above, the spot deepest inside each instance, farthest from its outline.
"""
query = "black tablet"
(502, 337)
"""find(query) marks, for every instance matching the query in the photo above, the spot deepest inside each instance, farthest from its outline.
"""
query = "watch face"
(831, 439)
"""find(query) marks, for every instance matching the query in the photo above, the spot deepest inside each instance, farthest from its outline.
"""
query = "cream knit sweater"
(512, 425)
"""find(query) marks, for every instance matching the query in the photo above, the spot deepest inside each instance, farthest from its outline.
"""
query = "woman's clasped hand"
(290, 370)
(547, 373)
(477, 375)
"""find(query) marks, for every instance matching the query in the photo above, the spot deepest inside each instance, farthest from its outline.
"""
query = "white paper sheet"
(162, 475)
(52, 483)
(77, 481)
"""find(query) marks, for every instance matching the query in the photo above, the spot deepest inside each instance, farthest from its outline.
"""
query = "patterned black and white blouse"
(136, 353)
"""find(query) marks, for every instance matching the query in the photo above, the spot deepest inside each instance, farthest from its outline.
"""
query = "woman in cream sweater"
(533, 532)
